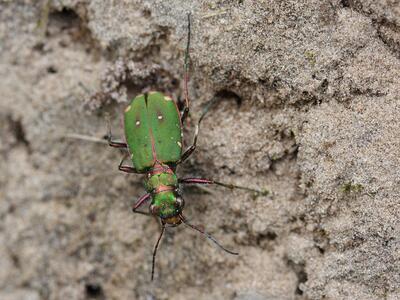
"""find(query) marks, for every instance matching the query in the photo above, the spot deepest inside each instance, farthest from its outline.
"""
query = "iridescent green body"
(154, 137)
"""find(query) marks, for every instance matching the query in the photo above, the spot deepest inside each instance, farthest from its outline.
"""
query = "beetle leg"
(117, 144)
(186, 79)
(127, 169)
(112, 143)
(227, 185)
(139, 203)
(191, 149)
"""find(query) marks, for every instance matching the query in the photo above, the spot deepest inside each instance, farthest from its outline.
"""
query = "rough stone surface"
(308, 107)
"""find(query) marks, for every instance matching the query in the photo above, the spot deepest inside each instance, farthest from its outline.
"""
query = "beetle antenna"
(186, 109)
(155, 251)
(187, 46)
(209, 236)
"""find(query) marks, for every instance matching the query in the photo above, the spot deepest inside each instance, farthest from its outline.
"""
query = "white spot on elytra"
(179, 144)
(167, 98)
(137, 123)
(160, 117)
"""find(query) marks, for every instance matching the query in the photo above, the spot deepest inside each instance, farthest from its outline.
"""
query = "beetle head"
(168, 207)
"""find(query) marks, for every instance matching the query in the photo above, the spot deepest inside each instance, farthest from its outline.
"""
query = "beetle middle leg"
(139, 203)
(227, 185)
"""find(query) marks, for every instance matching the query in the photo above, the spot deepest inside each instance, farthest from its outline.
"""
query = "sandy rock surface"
(308, 107)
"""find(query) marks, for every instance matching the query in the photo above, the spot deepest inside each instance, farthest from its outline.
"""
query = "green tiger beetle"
(153, 135)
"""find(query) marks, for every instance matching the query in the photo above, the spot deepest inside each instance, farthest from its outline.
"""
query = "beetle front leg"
(227, 185)
(191, 149)
(139, 203)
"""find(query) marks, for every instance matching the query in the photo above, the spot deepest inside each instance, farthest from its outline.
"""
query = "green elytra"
(153, 130)
(153, 134)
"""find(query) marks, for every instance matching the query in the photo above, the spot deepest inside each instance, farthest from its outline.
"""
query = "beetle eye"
(154, 209)
(179, 202)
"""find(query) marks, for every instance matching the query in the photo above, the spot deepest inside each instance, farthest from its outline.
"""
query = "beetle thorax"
(166, 202)
(161, 178)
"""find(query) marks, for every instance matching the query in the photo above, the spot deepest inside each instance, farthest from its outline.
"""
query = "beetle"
(153, 140)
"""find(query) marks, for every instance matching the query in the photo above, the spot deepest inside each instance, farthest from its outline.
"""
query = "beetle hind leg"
(127, 169)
